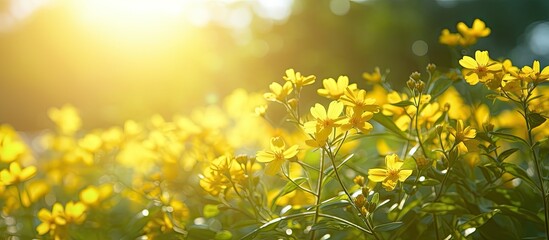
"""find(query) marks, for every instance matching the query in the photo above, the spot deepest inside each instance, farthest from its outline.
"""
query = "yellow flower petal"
(273, 167)
(391, 161)
(468, 62)
(263, 156)
(27, 173)
(377, 174)
(404, 174)
(43, 228)
(291, 152)
(482, 57)
(536, 66)
(472, 79)
(44, 215)
(277, 144)
(318, 112)
(335, 109)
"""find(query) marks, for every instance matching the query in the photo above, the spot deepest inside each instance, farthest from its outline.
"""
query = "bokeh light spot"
(420, 48)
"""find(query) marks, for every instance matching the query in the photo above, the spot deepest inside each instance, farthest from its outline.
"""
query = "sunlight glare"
(131, 16)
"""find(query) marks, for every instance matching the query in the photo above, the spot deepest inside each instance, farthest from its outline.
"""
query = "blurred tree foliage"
(49, 60)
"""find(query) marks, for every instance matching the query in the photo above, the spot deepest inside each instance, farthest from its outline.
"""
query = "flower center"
(392, 173)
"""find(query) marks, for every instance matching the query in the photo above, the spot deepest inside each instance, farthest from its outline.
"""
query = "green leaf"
(210, 210)
(485, 172)
(346, 222)
(403, 103)
(520, 173)
(200, 232)
(291, 186)
(505, 154)
(389, 124)
(535, 119)
(330, 170)
(441, 208)
(375, 199)
(335, 204)
(387, 226)
(439, 86)
(288, 188)
(520, 213)
(223, 235)
(330, 224)
(430, 182)
(509, 137)
(273, 224)
(478, 220)
(409, 164)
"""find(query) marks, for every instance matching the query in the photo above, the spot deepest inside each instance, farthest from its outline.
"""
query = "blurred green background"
(123, 59)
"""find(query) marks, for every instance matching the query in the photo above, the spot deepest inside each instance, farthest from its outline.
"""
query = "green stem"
(417, 126)
(297, 184)
(338, 178)
(536, 161)
(27, 225)
(435, 219)
(445, 179)
(318, 193)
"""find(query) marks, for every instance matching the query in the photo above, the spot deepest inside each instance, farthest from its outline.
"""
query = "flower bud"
(420, 85)
(360, 200)
(415, 76)
(241, 159)
(439, 128)
(422, 162)
(365, 191)
(431, 67)
(489, 127)
(411, 84)
(359, 180)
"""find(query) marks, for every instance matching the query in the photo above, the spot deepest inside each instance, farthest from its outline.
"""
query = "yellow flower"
(374, 77)
(276, 156)
(390, 176)
(34, 192)
(478, 29)
(324, 121)
(11, 147)
(450, 39)
(51, 221)
(512, 84)
(278, 92)
(357, 120)
(66, 118)
(358, 101)
(481, 68)
(318, 140)
(92, 195)
(533, 74)
(462, 135)
(458, 108)
(75, 212)
(297, 79)
(15, 174)
(213, 181)
(91, 142)
(333, 89)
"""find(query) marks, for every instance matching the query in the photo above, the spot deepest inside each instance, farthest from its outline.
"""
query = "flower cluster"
(466, 36)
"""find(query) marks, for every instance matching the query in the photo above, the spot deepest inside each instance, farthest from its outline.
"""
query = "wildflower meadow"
(451, 152)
